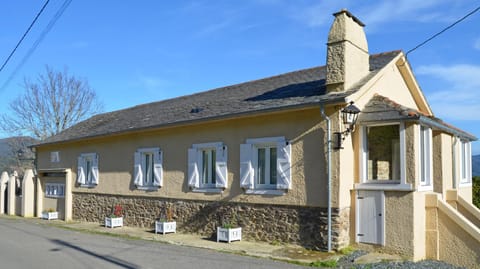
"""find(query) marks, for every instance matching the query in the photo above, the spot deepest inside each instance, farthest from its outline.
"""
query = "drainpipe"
(329, 176)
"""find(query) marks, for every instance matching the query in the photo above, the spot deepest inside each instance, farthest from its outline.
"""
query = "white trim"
(148, 188)
(207, 190)
(403, 150)
(425, 174)
(465, 161)
(265, 192)
(387, 186)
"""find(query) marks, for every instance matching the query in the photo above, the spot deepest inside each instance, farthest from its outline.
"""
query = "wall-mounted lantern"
(349, 118)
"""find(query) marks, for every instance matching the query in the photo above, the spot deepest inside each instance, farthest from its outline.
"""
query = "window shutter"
(284, 164)
(221, 167)
(80, 172)
(246, 169)
(158, 168)
(95, 173)
(137, 170)
(193, 176)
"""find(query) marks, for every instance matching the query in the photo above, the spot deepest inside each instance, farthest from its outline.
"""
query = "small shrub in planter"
(166, 224)
(116, 218)
(50, 214)
(229, 232)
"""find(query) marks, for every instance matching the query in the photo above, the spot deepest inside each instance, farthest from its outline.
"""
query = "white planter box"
(229, 234)
(164, 227)
(113, 222)
(50, 215)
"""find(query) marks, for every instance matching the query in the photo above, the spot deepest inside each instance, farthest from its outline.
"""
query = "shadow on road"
(110, 259)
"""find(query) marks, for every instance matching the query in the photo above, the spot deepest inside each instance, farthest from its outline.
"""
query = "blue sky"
(135, 52)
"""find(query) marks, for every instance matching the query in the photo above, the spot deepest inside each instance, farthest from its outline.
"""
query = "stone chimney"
(347, 52)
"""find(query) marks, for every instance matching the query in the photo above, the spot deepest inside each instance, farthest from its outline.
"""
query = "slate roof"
(383, 109)
(299, 88)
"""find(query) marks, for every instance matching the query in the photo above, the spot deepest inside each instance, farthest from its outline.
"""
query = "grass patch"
(327, 263)
(346, 250)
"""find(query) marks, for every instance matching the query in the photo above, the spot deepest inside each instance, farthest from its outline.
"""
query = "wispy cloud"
(459, 98)
(476, 44)
(151, 83)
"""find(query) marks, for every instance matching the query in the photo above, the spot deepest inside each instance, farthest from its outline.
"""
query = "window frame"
(54, 190)
(215, 148)
(88, 172)
(266, 142)
(153, 153)
(465, 163)
(425, 159)
(365, 184)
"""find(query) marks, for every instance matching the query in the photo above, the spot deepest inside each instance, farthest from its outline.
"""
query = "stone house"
(275, 156)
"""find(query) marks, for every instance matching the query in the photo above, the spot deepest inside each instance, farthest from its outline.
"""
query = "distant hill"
(476, 165)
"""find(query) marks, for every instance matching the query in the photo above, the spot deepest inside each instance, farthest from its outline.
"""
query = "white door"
(370, 217)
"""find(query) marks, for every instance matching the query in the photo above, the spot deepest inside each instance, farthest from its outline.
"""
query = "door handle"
(379, 214)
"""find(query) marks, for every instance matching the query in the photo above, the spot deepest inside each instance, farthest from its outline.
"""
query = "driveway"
(30, 244)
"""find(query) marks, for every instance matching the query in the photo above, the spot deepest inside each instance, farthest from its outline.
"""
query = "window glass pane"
(205, 167)
(261, 166)
(212, 166)
(148, 169)
(88, 170)
(383, 152)
(273, 166)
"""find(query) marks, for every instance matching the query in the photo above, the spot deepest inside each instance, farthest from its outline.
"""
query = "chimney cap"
(355, 19)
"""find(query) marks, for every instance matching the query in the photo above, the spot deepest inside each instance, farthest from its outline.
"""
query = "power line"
(24, 35)
(444, 30)
(47, 29)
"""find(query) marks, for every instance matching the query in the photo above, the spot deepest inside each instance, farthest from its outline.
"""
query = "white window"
(465, 163)
(148, 170)
(383, 157)
(207, 167)
(55, 156)
(54, 190)
(425, 158)
(87, 170)
(265, 165)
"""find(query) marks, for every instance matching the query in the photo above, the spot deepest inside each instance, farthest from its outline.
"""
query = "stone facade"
(306, 226)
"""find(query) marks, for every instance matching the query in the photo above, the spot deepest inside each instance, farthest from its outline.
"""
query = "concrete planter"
(50, 215)
(229, 234)
(113, 222)
(164, 227)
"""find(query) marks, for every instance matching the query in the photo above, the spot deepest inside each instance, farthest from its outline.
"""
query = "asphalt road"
(30, 244)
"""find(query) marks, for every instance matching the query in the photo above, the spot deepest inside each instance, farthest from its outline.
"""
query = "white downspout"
(329, 177)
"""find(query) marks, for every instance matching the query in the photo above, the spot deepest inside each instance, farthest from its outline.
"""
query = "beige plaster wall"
(302, 128)
(442, 162)
(453, 237)
(389, 83)
(399, 224)
(419, 225)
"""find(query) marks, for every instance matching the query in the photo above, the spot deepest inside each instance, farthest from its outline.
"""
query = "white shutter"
(95, 173)
(246, 169)
(221, 167)
(284, 165)
(137, 170)
(157, 168)
(80, 172)
(193, 176)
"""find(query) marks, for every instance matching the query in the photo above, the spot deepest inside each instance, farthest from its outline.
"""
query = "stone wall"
(306, 226)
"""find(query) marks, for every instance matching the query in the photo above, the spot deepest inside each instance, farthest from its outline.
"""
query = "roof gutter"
(443, 127)
(329, 176)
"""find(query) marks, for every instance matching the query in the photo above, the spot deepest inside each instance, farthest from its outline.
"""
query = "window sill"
(148, 188)
(384, 186)
(425, 188)
(208, 190)
(465, 184)
(87, 186)
(265, 192)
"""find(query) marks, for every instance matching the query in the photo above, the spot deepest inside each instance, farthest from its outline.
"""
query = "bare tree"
(51, 104)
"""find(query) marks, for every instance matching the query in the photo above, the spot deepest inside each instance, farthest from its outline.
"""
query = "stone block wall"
(306, 226)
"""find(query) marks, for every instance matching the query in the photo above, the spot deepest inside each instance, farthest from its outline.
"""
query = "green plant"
(476, 191)
(327, 263)
(346, 250)
(49, 210)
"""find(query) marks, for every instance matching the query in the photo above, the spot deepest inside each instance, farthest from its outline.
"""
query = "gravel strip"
(347, 262)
